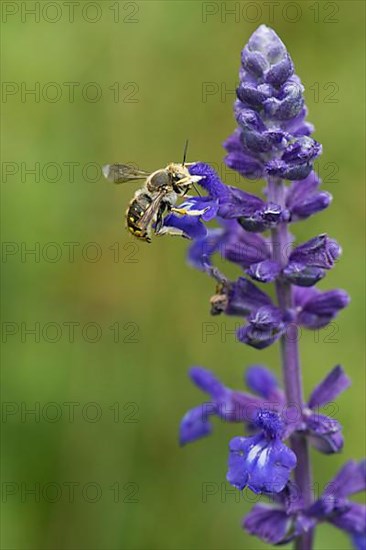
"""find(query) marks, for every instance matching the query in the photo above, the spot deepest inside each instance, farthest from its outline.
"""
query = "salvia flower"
(287, 518)
(265, 322)
(272, 141)
(227, 404)
(323, 432)
(261, 462)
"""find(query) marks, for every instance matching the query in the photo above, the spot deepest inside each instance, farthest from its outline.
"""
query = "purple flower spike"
(270, 113)
(262, 462)
(272, 141)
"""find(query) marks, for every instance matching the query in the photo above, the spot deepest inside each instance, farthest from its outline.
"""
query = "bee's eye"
(160, 179)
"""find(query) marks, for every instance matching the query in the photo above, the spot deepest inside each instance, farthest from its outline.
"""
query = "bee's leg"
(172, 231)
(189, 180)
(159, 217)
(185, 212)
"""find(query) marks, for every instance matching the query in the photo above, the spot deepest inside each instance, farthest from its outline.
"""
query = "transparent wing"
(120, 173)
(151, 211)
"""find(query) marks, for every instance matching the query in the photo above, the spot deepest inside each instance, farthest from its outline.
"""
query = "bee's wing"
(151, 211)
(120, 173)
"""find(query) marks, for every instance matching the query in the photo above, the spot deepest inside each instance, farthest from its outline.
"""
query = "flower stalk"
(290, 359)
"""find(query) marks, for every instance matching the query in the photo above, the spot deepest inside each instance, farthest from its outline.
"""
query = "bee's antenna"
(185, 152)
(184, 161)
(197, 190)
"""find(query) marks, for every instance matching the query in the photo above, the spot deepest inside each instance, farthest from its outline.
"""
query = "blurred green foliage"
(162, 54)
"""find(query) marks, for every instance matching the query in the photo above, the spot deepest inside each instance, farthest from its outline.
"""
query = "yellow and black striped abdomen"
(135, 211)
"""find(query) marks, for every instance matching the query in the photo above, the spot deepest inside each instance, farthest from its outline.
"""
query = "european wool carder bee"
(158, 196)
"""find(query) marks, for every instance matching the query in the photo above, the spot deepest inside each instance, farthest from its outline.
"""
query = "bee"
(158, 196)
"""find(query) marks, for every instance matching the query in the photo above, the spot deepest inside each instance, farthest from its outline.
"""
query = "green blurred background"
(134, 488)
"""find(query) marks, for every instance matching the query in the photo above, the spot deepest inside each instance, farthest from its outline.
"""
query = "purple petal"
(280, 71)
(239, 203)
(253, 95)
(191, 226)
(349, 480)
(206, 204)
(268, 523)
(210, 180)
(195, 424)
(264, 272)
(287, 104)
(262, 465)
(265, 326)
(311, 205)
(233, 142)
(262, 219)
(262, 381)
(359, 540)
(207, 382)
(297, 126)
(255, 136)
(324, 433)
(281, 169)
(247, 166)
(333, 384)
(353, 521)
(302, 275)
(317, 252)
(244, 248)
(201, 250)
(300, 190)
(319, 308)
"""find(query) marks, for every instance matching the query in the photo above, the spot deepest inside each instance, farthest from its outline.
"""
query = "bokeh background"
(111, 475)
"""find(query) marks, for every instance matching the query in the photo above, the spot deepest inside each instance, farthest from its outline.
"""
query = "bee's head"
(181, 179)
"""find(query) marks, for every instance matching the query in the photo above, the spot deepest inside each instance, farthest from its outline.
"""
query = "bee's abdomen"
(135, 211)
